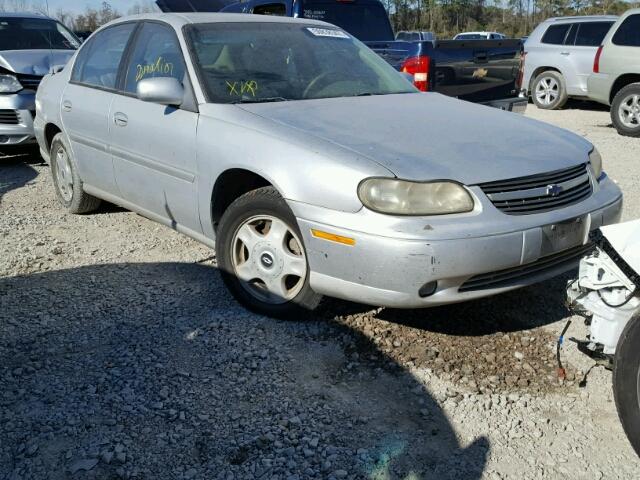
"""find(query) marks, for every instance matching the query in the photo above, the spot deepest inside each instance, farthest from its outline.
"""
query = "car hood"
(33, 62)
(430, 136)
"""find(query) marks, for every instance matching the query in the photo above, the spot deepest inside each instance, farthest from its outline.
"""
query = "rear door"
(153, 145)
(86, 104)
(580, 48)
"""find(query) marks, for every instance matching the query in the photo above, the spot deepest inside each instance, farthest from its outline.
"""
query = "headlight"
(401, 197)
(9, 84)
(596, 162)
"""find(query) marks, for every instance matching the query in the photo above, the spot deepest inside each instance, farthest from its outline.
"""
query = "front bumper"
(21, 107)
(390, 268)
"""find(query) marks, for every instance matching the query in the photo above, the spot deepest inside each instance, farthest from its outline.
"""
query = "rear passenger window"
(591, 34)
(156, 53)
(555, 34)
(98, 62)
(628, 34)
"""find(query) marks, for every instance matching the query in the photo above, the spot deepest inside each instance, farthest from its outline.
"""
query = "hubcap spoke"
(277, 288)
(248, 236)
(277, 232)
(294, 265)
(246, 271)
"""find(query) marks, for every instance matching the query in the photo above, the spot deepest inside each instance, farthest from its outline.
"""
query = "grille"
(30, 82)
(522, 274)
(9, 117)
(540, 193)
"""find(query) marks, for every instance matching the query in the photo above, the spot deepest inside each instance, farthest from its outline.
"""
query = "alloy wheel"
(547, 90)
(269, 259)
(629, 111)
(64, 176)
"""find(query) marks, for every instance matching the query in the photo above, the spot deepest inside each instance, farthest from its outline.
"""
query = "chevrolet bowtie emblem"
(554, 190)
(480, 73)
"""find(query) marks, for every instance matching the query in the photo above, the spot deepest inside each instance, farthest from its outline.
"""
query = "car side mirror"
(162, 90)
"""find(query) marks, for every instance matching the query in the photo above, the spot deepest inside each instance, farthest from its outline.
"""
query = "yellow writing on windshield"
(240, 88)
(159, 66)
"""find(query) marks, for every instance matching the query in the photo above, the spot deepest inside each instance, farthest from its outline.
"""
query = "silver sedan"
(312, 167)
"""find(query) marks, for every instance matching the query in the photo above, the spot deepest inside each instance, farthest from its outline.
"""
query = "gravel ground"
(122, 356)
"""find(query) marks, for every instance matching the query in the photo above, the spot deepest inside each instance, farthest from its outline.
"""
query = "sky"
(80, 5)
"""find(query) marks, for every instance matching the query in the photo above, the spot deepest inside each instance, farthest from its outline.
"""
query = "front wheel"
(626, 381)
(262, 258)
(625, 111)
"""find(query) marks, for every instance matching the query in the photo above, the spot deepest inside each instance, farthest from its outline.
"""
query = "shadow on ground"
(16, 169)
(152, 371)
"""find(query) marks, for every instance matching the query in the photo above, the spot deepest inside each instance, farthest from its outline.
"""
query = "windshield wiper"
(262, 100)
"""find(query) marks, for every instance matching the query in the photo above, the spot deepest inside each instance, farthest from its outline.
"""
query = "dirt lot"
(122, 356)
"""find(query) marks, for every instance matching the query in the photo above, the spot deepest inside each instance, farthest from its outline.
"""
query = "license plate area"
(563, 235)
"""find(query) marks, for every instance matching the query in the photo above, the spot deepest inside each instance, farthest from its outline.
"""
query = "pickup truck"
(480, 71)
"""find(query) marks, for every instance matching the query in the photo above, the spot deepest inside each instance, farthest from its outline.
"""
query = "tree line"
(445, 18)
(516, 18)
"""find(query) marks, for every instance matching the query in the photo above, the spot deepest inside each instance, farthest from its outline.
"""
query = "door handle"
(566, 54)
(120, 119)
(67, 106)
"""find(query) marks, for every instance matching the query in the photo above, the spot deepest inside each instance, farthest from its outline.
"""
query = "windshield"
(366, 22)
(257, 62)
(35, 34)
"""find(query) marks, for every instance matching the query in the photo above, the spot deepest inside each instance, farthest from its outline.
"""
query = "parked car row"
(594, 57)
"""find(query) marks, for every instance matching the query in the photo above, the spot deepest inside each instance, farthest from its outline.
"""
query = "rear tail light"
(523, 57)
(419, 68)
(596, 61)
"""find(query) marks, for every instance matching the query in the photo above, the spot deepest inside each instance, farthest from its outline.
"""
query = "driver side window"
(156, 53)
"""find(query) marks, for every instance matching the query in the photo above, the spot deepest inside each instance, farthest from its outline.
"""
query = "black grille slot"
(522, 274)
(30, 82)
(9, 117)
(540, 193)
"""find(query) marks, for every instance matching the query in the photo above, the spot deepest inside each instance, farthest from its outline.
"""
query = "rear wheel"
(626, 381)
(549, 91)
(66, 179)
(262, 258)
(625, 111)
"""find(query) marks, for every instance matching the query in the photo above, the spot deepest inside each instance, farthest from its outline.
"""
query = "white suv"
(559, 58)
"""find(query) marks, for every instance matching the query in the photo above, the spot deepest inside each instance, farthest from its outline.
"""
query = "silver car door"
(86, 103)
(153, 145)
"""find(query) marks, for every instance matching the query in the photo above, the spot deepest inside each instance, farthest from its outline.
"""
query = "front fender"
(307, 170)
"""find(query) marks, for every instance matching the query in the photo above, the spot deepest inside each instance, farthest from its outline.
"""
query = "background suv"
(559, 58)
(616, 74)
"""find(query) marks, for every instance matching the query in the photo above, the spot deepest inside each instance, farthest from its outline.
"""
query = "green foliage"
(515, 18)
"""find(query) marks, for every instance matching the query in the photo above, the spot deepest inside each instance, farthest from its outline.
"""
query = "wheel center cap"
(267, 260)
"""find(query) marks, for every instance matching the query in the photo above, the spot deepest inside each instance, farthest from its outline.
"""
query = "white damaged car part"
(607, 294)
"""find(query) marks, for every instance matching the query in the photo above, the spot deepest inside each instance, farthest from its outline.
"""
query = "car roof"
(23, 15)
(178, 20)
(583, 18)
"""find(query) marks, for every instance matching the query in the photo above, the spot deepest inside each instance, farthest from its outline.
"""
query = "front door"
(153, 145)
(86, 103)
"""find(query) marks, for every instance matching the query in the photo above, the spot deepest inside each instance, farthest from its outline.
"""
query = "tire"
(258, 240)
(626, 381)
(66, 180)
(554, 87)
(627, 99)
